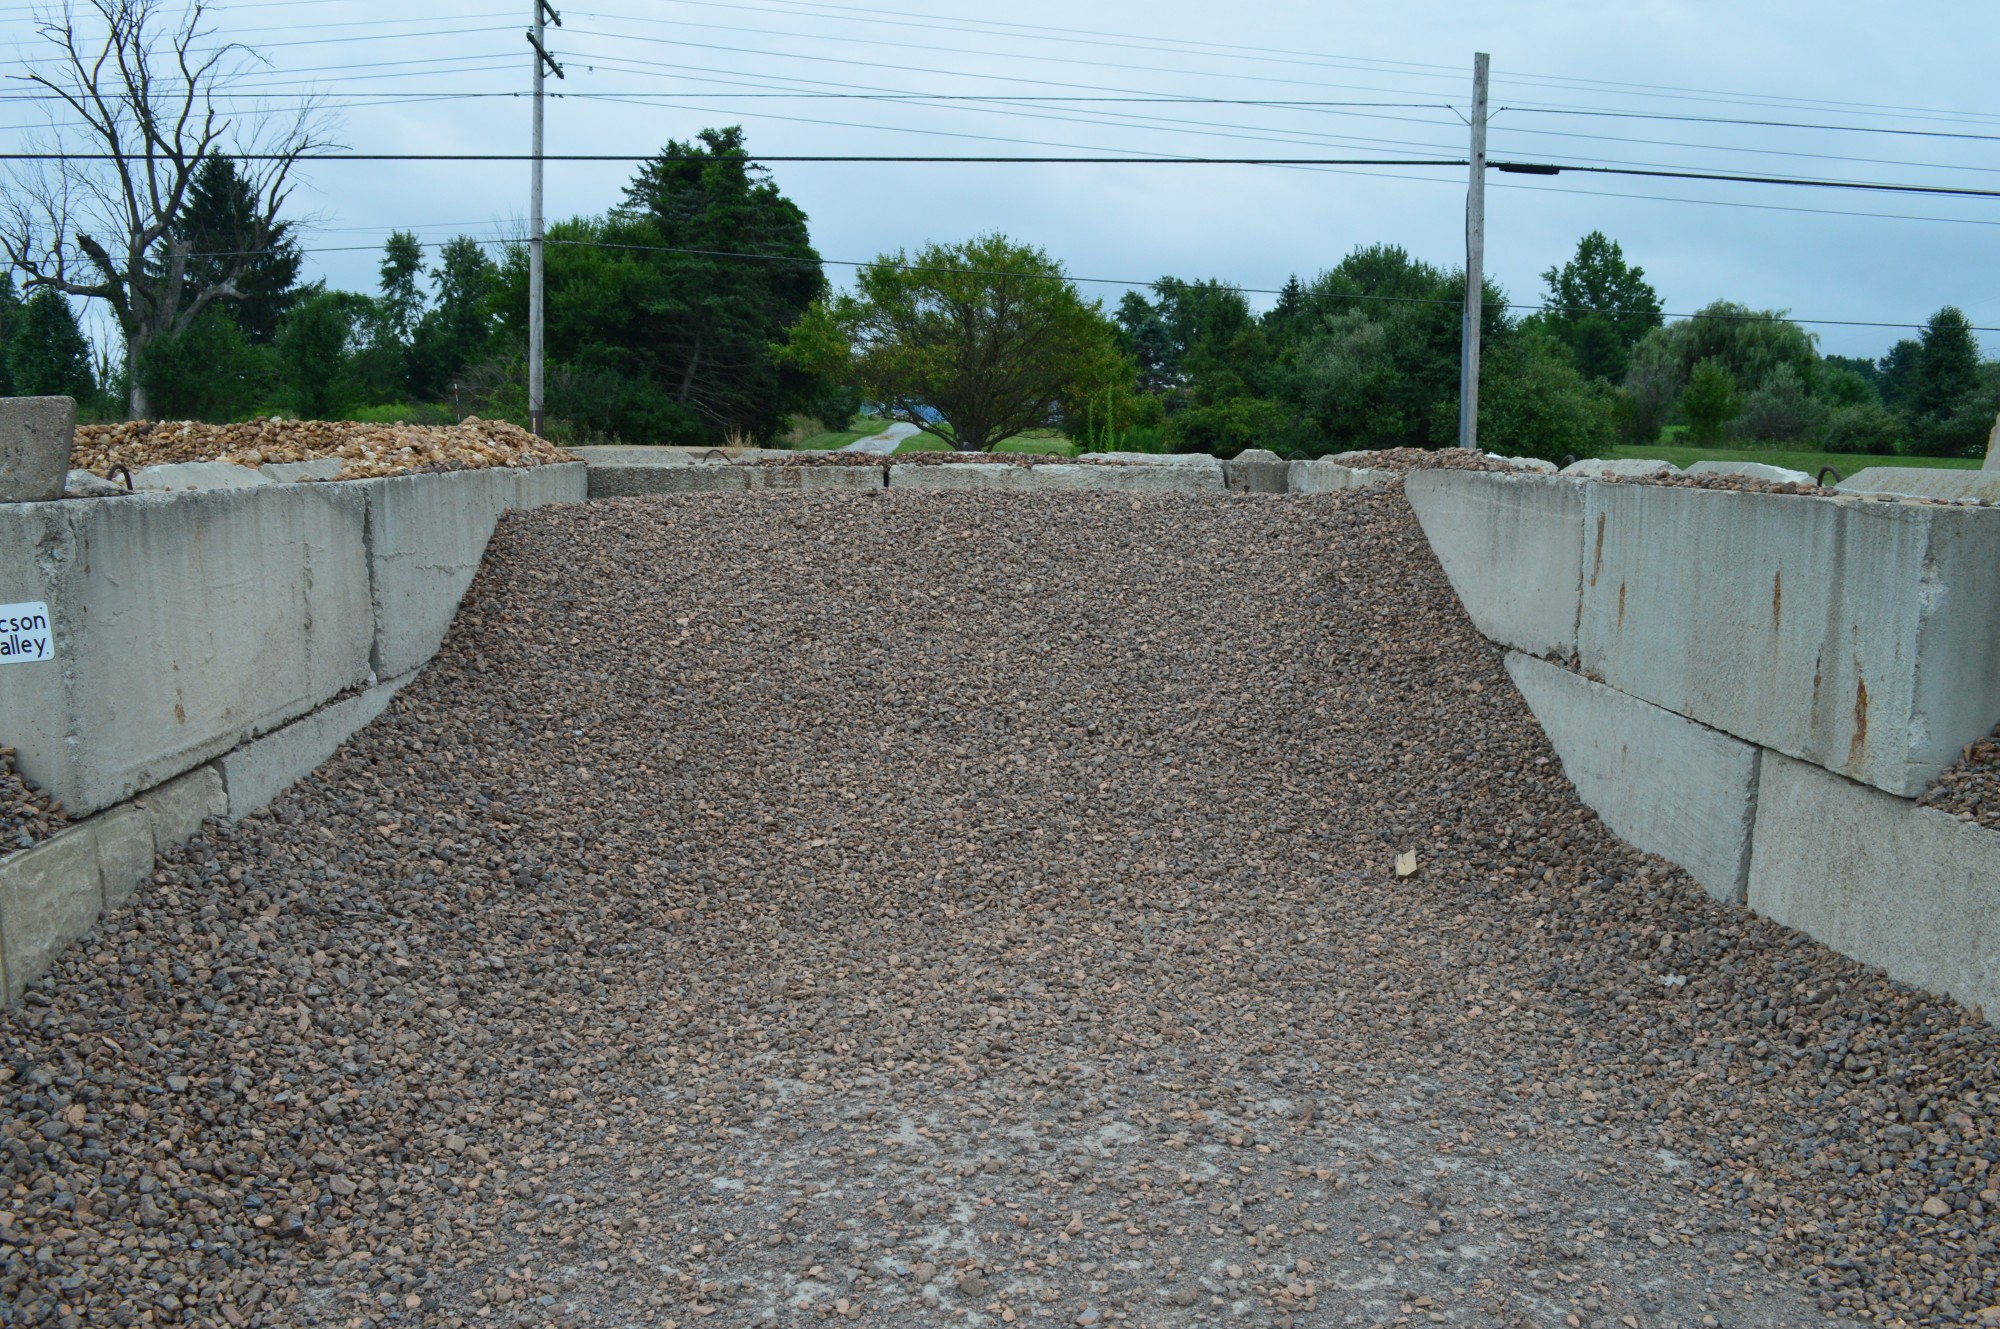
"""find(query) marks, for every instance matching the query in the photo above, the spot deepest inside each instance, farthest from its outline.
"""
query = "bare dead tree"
(131, 91)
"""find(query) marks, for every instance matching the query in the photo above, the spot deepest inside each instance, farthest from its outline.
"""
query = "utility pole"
(1475, 263)
(542, 58)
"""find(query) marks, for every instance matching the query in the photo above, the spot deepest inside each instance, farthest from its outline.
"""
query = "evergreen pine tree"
(220, 220)
(47, 353)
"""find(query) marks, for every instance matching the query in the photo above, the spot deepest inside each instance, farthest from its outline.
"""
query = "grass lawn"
(1036, 441)
(1847, 463)
(860, 427)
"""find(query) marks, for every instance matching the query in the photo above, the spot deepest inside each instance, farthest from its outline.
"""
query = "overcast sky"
(641, 72)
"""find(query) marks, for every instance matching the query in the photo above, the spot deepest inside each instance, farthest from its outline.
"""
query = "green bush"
(1781, 410)
(1865, 427)
(1228, 427)
(404, 413)
(1710, 402)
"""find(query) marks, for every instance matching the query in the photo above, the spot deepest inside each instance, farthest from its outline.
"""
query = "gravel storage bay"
(971, 908)
(367, 450)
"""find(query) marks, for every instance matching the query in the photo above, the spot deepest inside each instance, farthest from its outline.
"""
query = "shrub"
(1228, 427)
(1780, 411)
(1710, 402)
(1863, 427)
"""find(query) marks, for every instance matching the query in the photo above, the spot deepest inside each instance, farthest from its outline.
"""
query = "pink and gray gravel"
(913, 908)
(28, 814)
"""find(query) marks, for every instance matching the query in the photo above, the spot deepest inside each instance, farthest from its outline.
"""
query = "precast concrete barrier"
(1747, 678)
(1182, 477)
(204, 649)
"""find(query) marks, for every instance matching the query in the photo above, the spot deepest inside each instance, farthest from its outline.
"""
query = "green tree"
(316, 351)
(458, 327)
(1897, 372)
(975, 343)
(209, 371)
(402, 296)
(1780, 410)
(1534, 403)
(47, 355)
(1947, 365)
(672, 336)
(1600, 307)
(1381, 368)
(134, 90)
(222, 231)
(1710, 401)
(1750, 344)
(1655, 375)
(1947, 401)
(10, 313)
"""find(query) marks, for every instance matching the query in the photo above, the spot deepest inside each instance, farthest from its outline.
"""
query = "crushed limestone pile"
(367, 450)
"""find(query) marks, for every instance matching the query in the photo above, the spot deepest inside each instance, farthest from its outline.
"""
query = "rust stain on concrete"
(1857, 748)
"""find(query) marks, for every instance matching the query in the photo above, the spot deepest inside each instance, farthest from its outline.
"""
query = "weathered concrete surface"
(292, 472)
(173, 477)
(1755, 470)
(36, 435)
(1852, 634)
(541, 486)
(608, 455)
(426, 535)
(184, 624)
(1666, 784)
(1326, 476)
(1924, 482)
(49, 896)
(1200, 460)
(1911, 889)
(1141, 478)
(83, 484)
(260, 770)
(1257, 471)
(1513, 548)
(126, 845)
(1591, 468)
(178, 808)
(624, 481)
(1993, 447)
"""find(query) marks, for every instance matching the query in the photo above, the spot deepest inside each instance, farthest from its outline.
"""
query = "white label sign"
(25, 634)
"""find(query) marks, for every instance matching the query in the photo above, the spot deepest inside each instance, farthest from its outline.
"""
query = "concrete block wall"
(1756, 687)
(211, 647)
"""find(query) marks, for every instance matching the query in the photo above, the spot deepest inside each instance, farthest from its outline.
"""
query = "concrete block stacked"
(1757, 687)
(209, 647)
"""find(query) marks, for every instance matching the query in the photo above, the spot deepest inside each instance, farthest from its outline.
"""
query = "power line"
(1133, 283)
(1509, 167)
(1760, 124)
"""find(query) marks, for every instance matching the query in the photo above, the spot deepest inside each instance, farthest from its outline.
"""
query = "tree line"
(696, 311)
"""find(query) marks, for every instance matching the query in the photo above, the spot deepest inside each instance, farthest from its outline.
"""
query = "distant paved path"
(937, 909)
(884, 443)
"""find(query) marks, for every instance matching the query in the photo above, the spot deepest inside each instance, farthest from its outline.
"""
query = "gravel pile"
(368, 450)
(1971, 789)
(27, 815)
(1420, 459)
(1742, 484)
(996, 921)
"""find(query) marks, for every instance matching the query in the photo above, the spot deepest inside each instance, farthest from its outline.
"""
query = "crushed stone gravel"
(1970, 790)
(1421, 459)
(368, 450)
(28, 815)
(971, 908)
